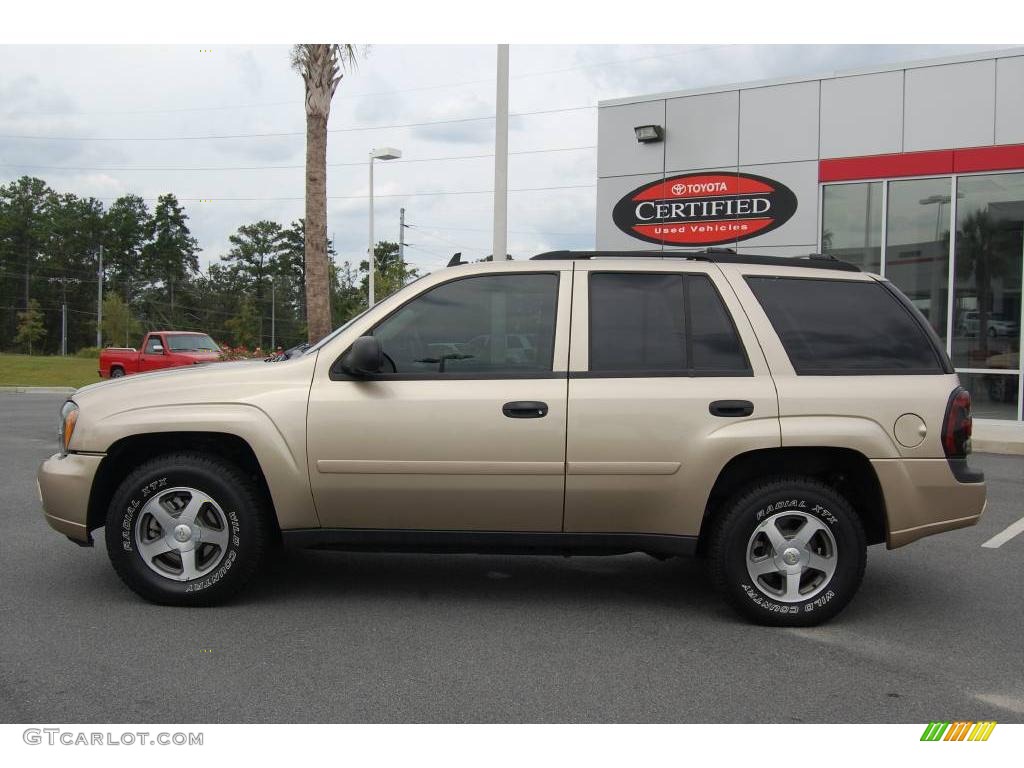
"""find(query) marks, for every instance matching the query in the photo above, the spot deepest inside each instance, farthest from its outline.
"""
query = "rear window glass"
(831, 327)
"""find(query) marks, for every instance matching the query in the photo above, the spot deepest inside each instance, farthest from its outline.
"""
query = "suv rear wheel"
(187, 529)
(788, 552)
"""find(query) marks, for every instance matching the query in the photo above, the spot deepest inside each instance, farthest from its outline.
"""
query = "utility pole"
(401, 244)
(500, 244)
(99, 301)
(273, 317)
(64, 310)
(28, 261)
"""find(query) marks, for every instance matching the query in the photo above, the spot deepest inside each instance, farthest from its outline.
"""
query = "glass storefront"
(911, 245)
(917, 245)
(987, 271)
(853, 232)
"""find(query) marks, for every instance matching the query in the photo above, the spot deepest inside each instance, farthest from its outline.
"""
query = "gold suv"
(772, 415)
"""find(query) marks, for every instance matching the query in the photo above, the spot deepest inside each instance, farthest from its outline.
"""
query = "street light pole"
(384, 153)
(369, 249)
(500, 240)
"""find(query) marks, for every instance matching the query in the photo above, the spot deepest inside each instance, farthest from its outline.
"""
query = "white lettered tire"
(187, 529)
(788, 552)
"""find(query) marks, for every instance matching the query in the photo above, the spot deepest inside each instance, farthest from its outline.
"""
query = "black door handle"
(731, 408)
(525, 409)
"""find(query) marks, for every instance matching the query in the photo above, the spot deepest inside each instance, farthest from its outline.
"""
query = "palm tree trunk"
(318, 305)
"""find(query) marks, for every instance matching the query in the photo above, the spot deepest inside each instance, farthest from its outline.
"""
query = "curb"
(39, 390)
(1005, 447)
(1007, 439)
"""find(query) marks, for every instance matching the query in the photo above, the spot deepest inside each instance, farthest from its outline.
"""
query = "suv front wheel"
(187, 529)
(788, 552)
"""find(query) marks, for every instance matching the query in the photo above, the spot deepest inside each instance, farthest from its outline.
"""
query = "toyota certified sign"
(704, 209)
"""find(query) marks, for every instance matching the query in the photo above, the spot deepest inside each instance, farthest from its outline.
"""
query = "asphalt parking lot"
(935, 632)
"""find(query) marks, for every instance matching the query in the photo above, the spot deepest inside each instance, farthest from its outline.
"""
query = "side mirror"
(364, 358)
(158, 349)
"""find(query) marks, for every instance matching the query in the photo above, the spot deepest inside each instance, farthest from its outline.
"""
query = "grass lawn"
(47, 371)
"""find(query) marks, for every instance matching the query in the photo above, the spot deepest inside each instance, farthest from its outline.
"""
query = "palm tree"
(982, 247)
(321, 66)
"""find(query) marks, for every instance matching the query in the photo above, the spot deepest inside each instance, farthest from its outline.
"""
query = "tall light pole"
(384, 153)
(500, 243)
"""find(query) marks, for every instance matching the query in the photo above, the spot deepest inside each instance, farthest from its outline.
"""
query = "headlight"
(68, 419)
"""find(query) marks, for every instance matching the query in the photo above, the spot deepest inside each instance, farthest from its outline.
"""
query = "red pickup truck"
(160, 349)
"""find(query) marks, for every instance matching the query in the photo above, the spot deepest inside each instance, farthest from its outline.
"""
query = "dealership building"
(914, 171)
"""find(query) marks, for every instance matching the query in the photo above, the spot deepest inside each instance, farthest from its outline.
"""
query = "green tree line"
(49, 251)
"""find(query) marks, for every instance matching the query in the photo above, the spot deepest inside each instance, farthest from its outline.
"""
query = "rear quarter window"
(845, 327)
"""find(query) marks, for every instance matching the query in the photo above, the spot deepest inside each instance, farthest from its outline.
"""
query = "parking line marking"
(1004, 536)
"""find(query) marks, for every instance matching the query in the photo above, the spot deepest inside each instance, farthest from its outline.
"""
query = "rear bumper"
(64, 486)
(923, 497)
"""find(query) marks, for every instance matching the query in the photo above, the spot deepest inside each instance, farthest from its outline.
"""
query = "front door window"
(492, 325)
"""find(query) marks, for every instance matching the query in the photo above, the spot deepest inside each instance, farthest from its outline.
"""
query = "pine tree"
(171, 257)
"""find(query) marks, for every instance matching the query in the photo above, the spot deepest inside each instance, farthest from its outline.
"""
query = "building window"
(987, 266)
(917, 245)
(851, 227)
(993, 395)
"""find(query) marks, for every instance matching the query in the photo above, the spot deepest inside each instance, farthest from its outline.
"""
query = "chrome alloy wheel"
(791, 556)
(182, 534)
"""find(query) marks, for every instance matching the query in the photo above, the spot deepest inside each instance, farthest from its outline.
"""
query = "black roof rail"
(713, 255)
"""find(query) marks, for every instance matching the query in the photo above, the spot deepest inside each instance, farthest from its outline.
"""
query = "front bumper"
(923, 497)
(64, 486)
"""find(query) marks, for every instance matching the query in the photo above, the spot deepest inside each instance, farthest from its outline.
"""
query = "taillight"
(956, 427)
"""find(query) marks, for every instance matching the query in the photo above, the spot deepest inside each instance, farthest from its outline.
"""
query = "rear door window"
(661, 324)
(845, 327)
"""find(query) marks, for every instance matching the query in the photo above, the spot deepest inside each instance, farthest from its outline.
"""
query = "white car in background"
(998, 325)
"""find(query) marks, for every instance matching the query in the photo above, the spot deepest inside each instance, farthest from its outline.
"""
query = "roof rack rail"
(713, 255)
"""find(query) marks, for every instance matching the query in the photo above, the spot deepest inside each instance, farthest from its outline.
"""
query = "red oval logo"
(704, 209)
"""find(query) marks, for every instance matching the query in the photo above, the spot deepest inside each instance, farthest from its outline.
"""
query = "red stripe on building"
(885, 166)
(936, 162)
(1007, 158)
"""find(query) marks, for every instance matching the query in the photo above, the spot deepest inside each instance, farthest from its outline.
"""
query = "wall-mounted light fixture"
(648, 134)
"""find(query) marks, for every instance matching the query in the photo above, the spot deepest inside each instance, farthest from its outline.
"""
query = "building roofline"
(1001, 53)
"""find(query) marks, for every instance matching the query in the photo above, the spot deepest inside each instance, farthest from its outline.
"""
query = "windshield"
(191, 342)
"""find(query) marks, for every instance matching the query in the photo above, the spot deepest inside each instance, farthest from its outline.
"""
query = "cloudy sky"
(138, 119)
